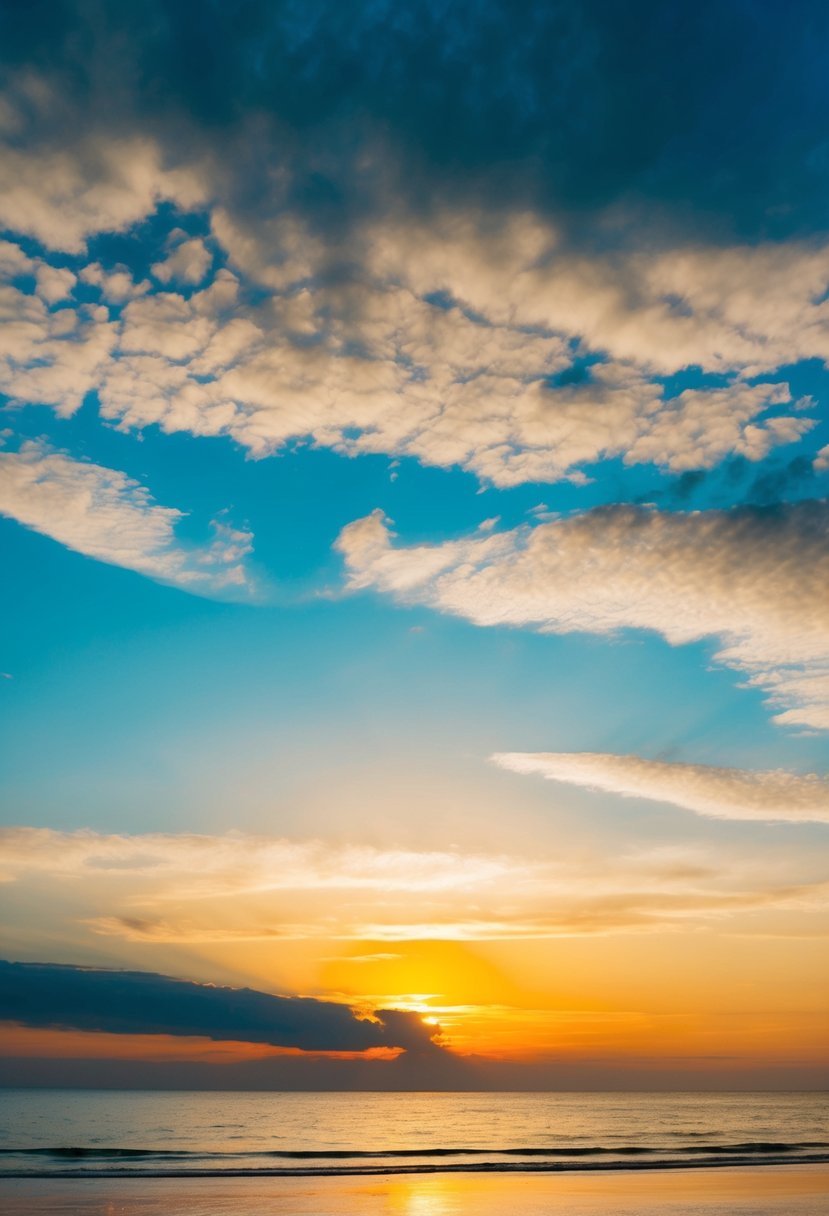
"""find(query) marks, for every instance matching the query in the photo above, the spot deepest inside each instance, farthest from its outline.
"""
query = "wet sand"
(771, 1191)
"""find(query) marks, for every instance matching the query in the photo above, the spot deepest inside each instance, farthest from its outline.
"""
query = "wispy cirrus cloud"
(198, 865)
(722, 793)
(104, 514)
(754, 580)
(167, 890)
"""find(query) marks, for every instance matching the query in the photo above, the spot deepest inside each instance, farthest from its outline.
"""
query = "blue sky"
(385, 395)
(146, 700)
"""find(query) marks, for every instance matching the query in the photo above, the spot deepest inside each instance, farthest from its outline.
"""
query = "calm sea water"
(69, 1133)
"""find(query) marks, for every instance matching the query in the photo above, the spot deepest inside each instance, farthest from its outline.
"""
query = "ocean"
(104, 1134)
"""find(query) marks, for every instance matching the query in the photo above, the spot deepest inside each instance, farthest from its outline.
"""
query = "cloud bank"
(722, 793)
(104, 514)
(318, 91)
(753, 579)
(140, 1002)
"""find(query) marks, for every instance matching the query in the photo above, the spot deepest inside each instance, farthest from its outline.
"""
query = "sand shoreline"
(800, 1190)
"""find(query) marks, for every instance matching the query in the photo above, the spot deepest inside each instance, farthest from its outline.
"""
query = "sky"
(414, 457)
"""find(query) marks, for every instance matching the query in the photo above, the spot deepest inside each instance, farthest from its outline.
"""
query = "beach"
(110, 1153)
(800, 1190)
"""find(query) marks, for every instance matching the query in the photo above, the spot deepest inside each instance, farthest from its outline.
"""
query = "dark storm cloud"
(140, 1002)
(714, 112)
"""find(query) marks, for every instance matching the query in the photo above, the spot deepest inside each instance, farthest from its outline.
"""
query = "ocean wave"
(748, 1146)
(117, 1162)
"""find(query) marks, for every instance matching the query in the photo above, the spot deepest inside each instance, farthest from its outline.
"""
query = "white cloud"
(489, 377)
(117, 285)
(164, 324)
(54, 284)
(755, 580)
(429, 382)
(276, 251)
(697, 429)
(375, 364)
(49, 358)
(722, 793)
(480, 391)
(62, 196)
(748, 308)
(14, 262)
(187, 263)
(103, 514)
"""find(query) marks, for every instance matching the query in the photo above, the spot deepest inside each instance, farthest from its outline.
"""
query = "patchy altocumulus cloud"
(723, 793)
(187, 262)
(369, 301)
(391, 309)
(488, 380)
(104, 514)
(62, 196)
(753, 579)
(141, 1002)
